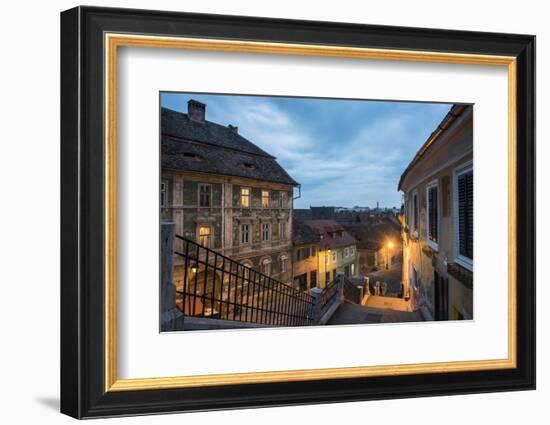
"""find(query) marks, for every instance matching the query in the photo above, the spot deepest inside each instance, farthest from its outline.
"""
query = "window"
(351, 251)
(282, 230)
(245, 233)
(245, 197)
(282, 200)
(432, 216)
(313, 279)
(247, 269)
(265, 231)
(346, 252)
(163, 195)
(283, 263)
(334, 256)
(464, 215)
(265, 199)
(415, 211)
(266, 266)
(204, 195)
(204, 235)
(313, 251)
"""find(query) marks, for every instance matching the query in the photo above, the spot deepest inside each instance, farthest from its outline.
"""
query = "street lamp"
(388, 247)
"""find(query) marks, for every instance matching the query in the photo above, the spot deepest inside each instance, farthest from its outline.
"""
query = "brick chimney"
(196, 110)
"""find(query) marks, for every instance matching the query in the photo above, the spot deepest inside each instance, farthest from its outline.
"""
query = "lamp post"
(389, 246)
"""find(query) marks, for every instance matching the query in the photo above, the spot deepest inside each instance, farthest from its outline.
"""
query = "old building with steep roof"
(224, 192)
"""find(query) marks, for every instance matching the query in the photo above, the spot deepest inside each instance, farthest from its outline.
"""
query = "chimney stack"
(233, 128)
(196, 110)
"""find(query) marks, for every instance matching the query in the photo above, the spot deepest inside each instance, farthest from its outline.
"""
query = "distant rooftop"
(333, 235)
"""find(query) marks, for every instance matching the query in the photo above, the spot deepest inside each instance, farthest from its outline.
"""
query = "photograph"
(297, 211)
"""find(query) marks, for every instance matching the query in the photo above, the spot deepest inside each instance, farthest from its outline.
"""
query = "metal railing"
(352, 293)
(218, 287)
(328, 296)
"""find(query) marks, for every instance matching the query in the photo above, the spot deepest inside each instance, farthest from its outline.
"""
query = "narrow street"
(392, 276)
(380, 309)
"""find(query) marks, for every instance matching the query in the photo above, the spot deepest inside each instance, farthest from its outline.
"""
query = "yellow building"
(437, 228)
(337, 251)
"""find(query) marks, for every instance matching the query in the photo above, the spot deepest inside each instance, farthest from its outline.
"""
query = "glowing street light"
(389, 246)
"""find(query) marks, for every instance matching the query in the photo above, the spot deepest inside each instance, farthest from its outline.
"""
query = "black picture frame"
(83, 392)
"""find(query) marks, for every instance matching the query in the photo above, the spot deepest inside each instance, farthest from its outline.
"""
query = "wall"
(29, 363)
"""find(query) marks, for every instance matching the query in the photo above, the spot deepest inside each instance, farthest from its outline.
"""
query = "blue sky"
(342, 152)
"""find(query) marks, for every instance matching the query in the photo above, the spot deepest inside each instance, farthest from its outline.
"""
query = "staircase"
(223, 290)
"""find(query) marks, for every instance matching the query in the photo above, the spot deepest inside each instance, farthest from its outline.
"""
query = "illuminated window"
(205, 196)
(265, 231)
(204, 235)
(245, 197)
(245, 233)
(265, 199)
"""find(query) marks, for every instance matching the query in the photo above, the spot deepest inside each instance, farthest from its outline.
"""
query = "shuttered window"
(465, 193)
(433, 213)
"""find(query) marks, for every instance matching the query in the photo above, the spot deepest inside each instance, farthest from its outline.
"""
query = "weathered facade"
(437, 228)
(225, 193)
(337, 251)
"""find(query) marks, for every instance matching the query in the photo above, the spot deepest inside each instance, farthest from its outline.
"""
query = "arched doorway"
(202, 294)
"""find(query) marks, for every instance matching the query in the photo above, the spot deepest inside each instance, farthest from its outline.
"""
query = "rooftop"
(447, 121)
(303, 234)
(332, 234)
(373, 235)
(202, 146)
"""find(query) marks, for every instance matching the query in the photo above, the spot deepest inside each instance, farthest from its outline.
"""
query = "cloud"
(343, 153)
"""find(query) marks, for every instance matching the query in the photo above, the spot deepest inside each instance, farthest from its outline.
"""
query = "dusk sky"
(343, 152)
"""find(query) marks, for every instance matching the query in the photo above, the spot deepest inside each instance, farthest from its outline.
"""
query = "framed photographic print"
(261, 212)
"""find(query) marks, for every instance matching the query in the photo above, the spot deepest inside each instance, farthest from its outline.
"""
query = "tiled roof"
(211, 148)
(328, 227)
(303, 234)
(374, 235)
